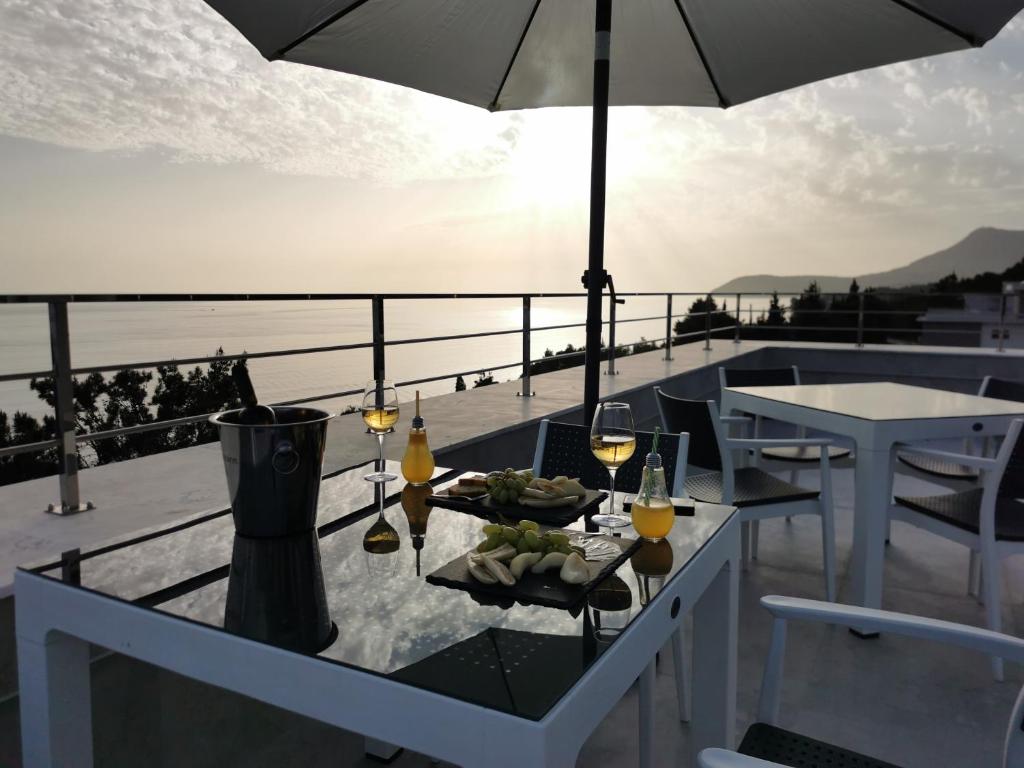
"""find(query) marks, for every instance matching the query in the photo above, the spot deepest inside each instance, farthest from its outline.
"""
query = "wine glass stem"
(611, 491)
(380, 441)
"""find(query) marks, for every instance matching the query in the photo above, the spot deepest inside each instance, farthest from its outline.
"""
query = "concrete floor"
(914, 704)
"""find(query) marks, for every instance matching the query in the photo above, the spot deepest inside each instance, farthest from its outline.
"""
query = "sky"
(146, 146)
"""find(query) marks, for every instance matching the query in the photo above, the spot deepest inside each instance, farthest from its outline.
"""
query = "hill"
(984, 250)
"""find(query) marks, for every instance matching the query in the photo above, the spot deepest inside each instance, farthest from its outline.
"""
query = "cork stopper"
(417, 420)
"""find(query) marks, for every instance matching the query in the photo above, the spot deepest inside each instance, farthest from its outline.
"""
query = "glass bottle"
(418, 462)
(653, 515)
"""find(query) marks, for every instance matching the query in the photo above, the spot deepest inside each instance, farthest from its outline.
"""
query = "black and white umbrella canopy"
(520, 54)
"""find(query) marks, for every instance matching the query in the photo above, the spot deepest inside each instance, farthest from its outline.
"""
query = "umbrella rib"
(973, 40)
(281, 52)
(515, 55)
(723, 102)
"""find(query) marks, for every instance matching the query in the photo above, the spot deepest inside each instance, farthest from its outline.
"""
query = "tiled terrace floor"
(914, 704)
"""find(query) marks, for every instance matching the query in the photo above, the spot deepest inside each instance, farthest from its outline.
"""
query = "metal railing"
(67, 440)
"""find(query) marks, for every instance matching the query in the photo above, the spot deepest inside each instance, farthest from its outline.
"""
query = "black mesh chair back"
(1004, 389)
(759, 377)
(567, 452)
(1011, 486)
(693, 416)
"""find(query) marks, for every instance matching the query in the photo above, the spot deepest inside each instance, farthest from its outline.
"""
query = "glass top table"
(386, 619)
(389, 620)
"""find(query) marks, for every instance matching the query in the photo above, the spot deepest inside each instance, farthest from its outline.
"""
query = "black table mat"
(545, 589)
(557, 517)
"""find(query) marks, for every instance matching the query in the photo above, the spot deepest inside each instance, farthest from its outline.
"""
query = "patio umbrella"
(518, 54)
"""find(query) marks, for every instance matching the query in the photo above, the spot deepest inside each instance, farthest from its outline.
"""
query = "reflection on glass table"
(652, 563)
(414, 504)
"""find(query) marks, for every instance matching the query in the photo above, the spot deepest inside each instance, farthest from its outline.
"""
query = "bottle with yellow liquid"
(653, 515)
(418, 462)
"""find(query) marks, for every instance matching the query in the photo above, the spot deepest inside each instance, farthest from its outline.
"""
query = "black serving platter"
(545, 589)
(488, 508)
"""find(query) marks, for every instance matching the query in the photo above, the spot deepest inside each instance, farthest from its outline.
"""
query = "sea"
(120, 334)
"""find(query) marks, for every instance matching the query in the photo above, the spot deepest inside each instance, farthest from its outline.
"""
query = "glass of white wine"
(380, 414)
(613, 440)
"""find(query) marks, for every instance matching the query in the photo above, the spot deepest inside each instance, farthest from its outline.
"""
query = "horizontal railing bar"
(242, 297)
(42, 445)
(214, 358)
(22, 376)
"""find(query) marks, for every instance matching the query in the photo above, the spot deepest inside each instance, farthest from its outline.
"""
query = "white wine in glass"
(380, 414)
(613, 441)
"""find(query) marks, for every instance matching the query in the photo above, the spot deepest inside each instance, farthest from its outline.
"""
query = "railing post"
(527, 390)
(860, 319)
(1002, 319)
(707, 324)
(611, 336)
(736, 337)
(377, 303)
(668, 327)
(64, 407)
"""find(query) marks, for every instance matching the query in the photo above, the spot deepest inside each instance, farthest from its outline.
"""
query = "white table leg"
(646, 697)
(713, 719)
(873, 496)
(56, 710)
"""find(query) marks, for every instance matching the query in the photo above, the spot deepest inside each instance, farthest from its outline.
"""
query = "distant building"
(980, 323)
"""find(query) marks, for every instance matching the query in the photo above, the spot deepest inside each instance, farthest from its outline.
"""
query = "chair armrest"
(874, 620)
(978, 462)
(776, 442)
(735, 419)
(724, 758)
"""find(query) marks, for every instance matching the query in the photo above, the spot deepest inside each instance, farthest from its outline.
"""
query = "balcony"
(912, 704)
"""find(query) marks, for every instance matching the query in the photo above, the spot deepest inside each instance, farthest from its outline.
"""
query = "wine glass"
(380, 414)
(613, 440)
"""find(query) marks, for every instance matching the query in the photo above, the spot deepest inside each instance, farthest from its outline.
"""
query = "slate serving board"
(557, 517)
(545, 589)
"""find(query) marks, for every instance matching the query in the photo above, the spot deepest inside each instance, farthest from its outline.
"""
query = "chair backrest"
(1002, 389)
(700, 419)
(564, 449)
(759, 377)
(1011, 463)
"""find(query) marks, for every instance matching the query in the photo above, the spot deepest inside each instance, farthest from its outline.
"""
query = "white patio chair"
(757, 494)
(790, 459)
(988, 519)
(564, 449)
(765, 745)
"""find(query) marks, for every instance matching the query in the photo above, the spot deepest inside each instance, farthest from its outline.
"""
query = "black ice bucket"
(274, 470)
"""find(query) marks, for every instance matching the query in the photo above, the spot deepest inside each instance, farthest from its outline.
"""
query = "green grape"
(491, 542)
(511, 535)
(523, 546)
(491, 528)
(531, 537)
(529, 525)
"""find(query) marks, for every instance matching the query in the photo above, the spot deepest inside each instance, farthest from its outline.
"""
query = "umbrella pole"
(595, 277)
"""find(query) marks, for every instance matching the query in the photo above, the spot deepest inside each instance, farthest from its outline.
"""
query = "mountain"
(984, 250)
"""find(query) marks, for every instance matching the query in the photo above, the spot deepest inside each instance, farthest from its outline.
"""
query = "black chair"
(564, 449)
(757, 494)
(788, 455)
(959, 477)
(989, 519)
(766, 745)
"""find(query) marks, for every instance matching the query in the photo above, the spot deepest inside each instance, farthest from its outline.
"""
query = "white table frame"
(874, 440)
(56, 622)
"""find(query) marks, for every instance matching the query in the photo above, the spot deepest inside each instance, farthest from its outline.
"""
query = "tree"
(460, 384)
(696, 319)
(122, 401)
(483, 379)
(775, 314)
(807, 308)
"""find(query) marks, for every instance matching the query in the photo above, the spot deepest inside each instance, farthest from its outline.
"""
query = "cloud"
(111, 76)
